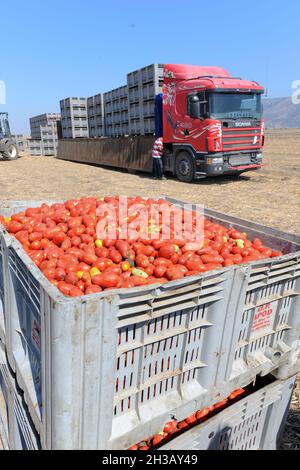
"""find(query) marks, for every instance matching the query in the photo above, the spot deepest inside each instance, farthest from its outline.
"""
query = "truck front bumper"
(216, 165)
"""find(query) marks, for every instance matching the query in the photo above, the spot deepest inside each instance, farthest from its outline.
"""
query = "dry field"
(270, 196)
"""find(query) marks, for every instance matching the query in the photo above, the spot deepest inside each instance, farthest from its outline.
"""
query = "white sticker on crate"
(263, 321)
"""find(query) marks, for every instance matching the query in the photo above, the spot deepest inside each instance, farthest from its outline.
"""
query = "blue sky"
(51, 50)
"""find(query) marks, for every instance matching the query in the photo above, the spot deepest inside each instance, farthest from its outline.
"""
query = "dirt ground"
(270, 196)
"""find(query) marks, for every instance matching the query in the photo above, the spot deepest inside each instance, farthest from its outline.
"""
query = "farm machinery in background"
(8, 148)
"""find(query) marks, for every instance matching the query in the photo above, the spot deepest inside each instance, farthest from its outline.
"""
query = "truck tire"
(10, 151)
(185, 167)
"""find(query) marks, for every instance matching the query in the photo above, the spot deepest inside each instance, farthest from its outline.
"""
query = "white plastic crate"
(128, 360)
(2, 290)
(16, 428)
(254, 423)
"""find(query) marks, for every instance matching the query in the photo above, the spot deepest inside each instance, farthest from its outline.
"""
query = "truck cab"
(212, 122)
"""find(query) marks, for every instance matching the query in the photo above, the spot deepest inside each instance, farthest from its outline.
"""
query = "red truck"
(212, 122)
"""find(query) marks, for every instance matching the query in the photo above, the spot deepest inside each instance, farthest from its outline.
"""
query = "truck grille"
(241, 138)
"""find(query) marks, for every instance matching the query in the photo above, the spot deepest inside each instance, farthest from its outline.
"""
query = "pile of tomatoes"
(173, 428)
(62, 241)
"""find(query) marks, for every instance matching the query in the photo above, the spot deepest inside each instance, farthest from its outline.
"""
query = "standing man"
(157, 153)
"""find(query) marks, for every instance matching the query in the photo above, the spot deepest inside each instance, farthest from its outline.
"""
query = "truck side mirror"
(194, 107)
(197, 108)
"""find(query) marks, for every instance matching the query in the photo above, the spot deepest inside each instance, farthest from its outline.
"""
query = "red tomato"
(60, 274)
(194, 265)
(191, 419)
(174, 272)
(156, 439)
(162, 262)
(14, 226)
(71, 278)
(75, 291)
(237, 393)
(212, 259)
(275, 254)
(170, 427)
(89, 258)
(142, 261)
(93, 289)
(183, 425)
(115, 255)
(106, 280)
(34, 236)
(160, 271)
(221, 404)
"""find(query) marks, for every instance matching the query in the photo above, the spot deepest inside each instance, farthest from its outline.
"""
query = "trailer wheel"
(10, 151)
(185, 167)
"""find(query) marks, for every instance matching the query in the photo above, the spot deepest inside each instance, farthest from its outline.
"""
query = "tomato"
(74, 291)
(156, 439)
(212, 259)
(59, 238)
(191, 419)
(34, 236)
(221, 404)
(115, 255)
(36, 245)
(228, 262)
(108, 243)
(212, 266)
(102, 252)
(138, 280)
(83, 267)
(89, 258)
(174, 272)
(134, 447)
(237, 393)
(93, 289)
(183, 425)
(49, 273)
(14, 226)
(266, 252)
(204, 412)
(71, 278)
(194, 265)
(162, 262)
(142, 261)
(106, 279)
(170, 427)
(60, 274)
(275, 254)
(160, 271)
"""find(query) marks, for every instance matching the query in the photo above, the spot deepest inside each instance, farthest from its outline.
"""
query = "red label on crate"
(263, 319)
(36, 333)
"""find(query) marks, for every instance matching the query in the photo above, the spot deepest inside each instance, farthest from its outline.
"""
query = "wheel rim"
(12, 151)
(184, 167)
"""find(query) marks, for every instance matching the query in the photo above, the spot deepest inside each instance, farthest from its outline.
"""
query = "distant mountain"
(281, 113)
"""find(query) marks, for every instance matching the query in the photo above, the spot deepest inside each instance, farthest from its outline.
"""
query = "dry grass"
(270, 196)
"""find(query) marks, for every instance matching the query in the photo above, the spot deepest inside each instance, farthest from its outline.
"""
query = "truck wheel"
(10, 151)
(185, 167)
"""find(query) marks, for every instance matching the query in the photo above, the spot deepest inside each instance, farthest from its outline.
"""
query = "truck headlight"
(214, 160)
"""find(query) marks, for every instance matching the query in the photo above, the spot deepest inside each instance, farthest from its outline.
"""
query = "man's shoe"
(163, 178)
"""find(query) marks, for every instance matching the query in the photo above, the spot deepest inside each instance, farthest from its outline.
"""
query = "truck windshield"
(235, 105)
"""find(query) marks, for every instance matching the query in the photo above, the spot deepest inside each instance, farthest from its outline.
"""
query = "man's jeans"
(157, 168)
